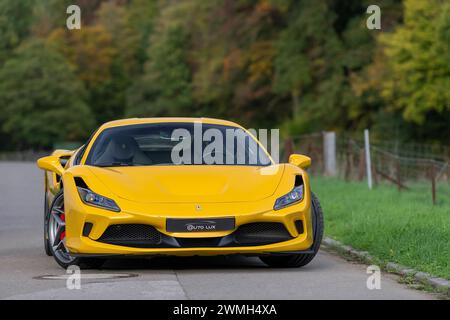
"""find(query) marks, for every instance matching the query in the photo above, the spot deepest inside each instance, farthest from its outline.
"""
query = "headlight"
(93, 199)
(296, 195)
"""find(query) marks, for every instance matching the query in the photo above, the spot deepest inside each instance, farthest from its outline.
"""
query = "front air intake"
(131, 235)
(87, 229)
(261, 233)
(79, 182)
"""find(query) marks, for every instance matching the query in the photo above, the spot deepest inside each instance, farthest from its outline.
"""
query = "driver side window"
(79, 155)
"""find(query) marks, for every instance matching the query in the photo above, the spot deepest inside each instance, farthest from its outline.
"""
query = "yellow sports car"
(178, 186)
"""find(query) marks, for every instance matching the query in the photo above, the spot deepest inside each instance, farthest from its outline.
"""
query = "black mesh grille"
(146, 236)
(131, 235)
(261, 233)
(198, 242)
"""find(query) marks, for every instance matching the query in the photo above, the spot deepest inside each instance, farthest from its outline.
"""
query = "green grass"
(402, 227)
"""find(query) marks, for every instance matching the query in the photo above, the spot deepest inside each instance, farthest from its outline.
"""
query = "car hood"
(184, 184)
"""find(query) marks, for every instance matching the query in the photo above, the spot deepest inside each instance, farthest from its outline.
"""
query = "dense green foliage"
(15, 21)
(165, 87)
(419, 57)
(41, 97)
(299, 65)
(401, 227)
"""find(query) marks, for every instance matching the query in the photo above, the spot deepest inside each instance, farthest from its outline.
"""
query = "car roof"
(136, 121)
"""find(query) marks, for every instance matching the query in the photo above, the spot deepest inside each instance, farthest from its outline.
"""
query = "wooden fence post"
(348, 162)
(361, 165)
(398, 174)
(433, 182)
(329, 154)
(368, 159)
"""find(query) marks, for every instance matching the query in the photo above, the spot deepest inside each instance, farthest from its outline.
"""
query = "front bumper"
(185, 244)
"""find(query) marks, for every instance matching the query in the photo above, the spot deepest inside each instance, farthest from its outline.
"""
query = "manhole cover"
(88, 276)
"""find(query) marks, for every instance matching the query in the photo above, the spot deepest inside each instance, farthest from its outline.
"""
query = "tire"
(300, 260)
(46, 216)
(56, 241)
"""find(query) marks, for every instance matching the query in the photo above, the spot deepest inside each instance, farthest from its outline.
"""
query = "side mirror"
(51, 163)
(60, 153)
(63, 155)
(300, 160)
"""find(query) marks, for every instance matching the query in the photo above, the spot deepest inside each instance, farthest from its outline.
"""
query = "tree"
(124, 38)
(15, 20)
(309, 67)
(418, 55)
(165, 88)
(91, 52)
(41, 100)
(299, 65)
(141, 16)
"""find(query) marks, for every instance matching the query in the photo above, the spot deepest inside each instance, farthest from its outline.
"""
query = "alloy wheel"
(57, 231)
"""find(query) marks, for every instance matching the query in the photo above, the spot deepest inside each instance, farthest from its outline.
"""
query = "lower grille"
(146, 236)
(131, 235)
(261, 233)
(198, 242)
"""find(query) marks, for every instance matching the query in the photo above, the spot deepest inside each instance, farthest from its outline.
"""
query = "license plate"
(200, 225)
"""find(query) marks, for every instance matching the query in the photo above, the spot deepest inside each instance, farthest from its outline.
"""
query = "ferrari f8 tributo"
(177, 186)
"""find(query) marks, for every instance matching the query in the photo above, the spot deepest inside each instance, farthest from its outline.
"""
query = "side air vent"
(79, 182)
(298, 180)
(87, 229)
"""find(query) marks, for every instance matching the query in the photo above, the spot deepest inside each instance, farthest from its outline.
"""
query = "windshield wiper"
(114, 164)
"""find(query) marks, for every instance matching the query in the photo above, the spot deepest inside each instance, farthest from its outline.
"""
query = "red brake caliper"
(63, 234)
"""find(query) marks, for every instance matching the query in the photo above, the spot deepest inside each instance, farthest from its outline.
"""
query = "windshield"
(176, 144)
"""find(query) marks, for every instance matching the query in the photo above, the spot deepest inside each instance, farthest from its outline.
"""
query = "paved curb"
(439, 284)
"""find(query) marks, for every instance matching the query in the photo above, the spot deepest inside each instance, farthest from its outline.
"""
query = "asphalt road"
(27, 273)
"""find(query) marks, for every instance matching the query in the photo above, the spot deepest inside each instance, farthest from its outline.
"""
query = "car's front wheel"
(46, 216)
(300, 260)
(56, 235)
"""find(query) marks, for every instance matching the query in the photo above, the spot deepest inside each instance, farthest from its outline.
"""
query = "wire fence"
(401, 165)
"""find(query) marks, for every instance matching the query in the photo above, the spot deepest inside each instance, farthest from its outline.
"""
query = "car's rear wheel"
(56, 234)
(300, 260)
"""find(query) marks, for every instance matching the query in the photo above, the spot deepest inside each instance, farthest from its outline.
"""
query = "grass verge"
(401, 227)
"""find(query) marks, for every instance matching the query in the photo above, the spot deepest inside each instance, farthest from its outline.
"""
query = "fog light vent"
(299, 226)
(87, 229)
